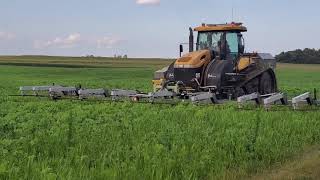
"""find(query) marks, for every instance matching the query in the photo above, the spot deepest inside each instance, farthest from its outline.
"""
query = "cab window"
(233, 45)
(209, 40)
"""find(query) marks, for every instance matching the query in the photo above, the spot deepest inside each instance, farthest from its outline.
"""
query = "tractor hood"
(194, 59)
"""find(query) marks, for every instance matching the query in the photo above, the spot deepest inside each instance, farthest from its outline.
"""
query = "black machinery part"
(215, 73)
(264, 83)
(170, 73)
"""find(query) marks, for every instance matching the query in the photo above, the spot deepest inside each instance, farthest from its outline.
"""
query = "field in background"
(42, 139)
(78, 62)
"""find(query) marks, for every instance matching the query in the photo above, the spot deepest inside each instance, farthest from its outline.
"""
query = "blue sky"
(149, 28)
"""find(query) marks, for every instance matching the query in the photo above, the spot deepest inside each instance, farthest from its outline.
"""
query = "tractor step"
(235, 77)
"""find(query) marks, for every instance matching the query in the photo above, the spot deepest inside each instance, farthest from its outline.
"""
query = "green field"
(43, 139)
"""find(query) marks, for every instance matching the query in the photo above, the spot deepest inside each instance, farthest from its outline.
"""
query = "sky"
(149, 28)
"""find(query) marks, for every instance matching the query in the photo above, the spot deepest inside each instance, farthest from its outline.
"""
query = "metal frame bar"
(117, 93)
(243, 99)
(162, 93)
(121, 92)
(306, 97)
(56, 92)
(97, 93)
(204, 97)
(35, 89)
(275, 98)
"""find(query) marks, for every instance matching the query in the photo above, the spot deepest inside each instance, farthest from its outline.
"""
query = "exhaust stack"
(191, 41)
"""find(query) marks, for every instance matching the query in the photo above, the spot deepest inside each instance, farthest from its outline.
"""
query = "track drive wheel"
(252, 86)
(267, 84)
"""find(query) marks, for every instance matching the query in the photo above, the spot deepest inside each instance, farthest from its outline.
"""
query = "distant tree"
(306, 56)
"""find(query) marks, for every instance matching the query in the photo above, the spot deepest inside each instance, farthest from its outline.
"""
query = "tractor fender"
(215, 73)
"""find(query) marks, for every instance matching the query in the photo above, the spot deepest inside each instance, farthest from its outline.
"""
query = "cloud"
(59, 42)
(108, 42)
(148, 2)
(76, 40)
(6, 35)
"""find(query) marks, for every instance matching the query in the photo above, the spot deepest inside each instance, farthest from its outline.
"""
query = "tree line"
(306, 56)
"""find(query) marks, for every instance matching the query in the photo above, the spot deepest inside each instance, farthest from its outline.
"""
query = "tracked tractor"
(217, 63)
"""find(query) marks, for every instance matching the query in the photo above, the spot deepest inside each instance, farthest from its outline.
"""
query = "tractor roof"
(221, 27)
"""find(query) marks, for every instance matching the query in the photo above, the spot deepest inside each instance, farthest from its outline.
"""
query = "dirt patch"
(305, 167)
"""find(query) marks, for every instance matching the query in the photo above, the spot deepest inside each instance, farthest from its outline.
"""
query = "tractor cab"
(225, 41)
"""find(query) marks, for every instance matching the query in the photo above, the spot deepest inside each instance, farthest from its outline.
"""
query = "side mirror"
(181, 49)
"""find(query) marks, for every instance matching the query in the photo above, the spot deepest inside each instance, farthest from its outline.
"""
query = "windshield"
(209, 40)
(216, 40)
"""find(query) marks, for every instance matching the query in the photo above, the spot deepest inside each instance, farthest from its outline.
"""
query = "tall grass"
(42, 139)
(138, 141)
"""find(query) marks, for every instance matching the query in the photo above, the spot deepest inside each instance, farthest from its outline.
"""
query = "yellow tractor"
(219, 65)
